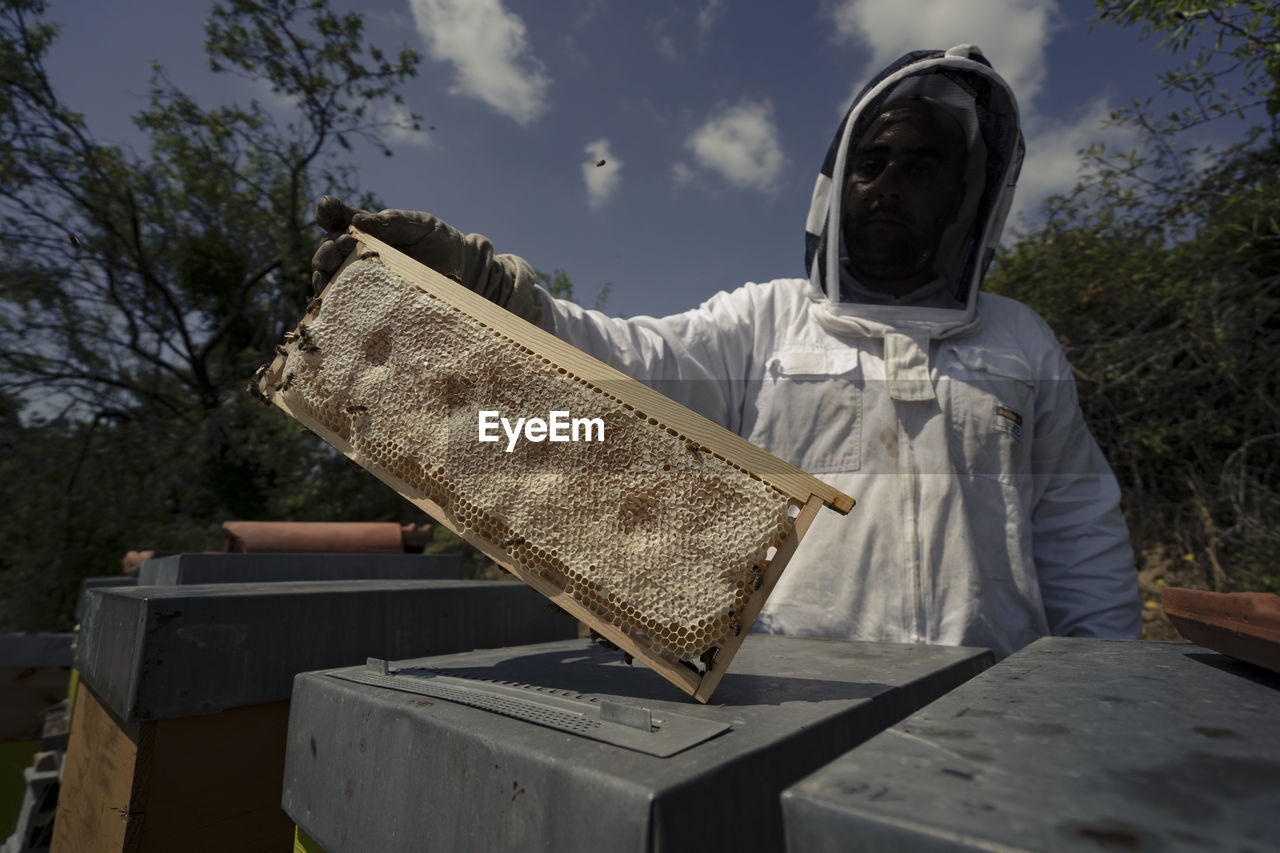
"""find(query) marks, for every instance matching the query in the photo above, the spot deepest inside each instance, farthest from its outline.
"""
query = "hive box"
(34, 669)
(186, 569)
(99, 582)
(376, 766)
(178, 736)
(1070, 744)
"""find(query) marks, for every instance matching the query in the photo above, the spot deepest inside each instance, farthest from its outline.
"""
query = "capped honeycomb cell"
(661, 530)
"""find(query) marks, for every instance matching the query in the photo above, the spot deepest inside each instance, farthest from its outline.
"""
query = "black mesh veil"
(962, 81)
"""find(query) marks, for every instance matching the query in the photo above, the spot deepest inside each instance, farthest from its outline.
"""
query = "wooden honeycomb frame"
(668, 424)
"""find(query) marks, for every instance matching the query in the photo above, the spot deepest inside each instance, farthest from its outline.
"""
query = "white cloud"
(666, 44)
(708, 16)
(488, 48)
(1053, 163)
(602, 181)
(741, 143)
(1013, 34)
(682, 173)
(587, 11)
(402, 128)
(705, 21)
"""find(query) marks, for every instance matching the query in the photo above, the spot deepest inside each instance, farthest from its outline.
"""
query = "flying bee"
(355, 410)
(74, 241)
(514, 541)
(599, 163)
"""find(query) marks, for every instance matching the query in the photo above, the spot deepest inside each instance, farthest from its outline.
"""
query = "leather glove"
(506, 280)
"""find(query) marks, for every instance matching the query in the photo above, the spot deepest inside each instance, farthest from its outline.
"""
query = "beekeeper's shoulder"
(1016, 328)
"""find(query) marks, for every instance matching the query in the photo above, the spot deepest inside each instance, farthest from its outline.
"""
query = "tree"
(559, 286)
(1161, 274)
(147, 281)
(1236, 43)
(138, 291)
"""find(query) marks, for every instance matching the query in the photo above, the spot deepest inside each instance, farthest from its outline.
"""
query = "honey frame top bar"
(714, 438)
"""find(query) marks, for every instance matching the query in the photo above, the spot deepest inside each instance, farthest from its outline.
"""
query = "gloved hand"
(506, 280)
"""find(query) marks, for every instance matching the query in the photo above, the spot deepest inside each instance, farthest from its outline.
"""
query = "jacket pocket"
(992, 423)
(809, 409)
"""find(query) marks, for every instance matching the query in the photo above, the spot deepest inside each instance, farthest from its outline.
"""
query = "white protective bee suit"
(986, 513)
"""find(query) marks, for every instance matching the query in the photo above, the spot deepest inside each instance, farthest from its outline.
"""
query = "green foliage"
(139, 291)
(1162, 279)
(78, 495)
(559, 286)
(1231, 39)
(557, 283)
(160, 279)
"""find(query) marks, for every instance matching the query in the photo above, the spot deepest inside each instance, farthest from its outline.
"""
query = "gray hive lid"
(363, 758)
(155, 652)
(1079, 744)
(185, 569)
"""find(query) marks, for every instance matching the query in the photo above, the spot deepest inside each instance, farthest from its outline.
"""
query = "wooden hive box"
(661, 530)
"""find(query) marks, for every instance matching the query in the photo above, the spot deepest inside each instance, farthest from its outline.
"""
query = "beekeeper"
(986, 513)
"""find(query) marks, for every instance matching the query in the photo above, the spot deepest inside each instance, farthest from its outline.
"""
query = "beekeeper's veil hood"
(959, 84)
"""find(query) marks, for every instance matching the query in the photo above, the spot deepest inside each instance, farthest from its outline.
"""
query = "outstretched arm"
(697, 358)
(506, 280)
(1081, 541)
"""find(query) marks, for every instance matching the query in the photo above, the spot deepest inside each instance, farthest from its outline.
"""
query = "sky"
(712, 118)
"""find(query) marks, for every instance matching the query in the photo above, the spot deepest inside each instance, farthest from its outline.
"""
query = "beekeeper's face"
(905, 185)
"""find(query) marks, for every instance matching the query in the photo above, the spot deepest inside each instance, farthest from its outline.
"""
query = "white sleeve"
(1080, 539)
(699, 358)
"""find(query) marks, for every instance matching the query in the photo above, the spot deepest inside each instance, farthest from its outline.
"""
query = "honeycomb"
(647, 530)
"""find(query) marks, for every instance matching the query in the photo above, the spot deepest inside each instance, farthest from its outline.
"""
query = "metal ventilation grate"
(618, 723)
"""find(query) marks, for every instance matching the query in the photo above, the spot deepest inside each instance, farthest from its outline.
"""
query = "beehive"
(658, 528)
